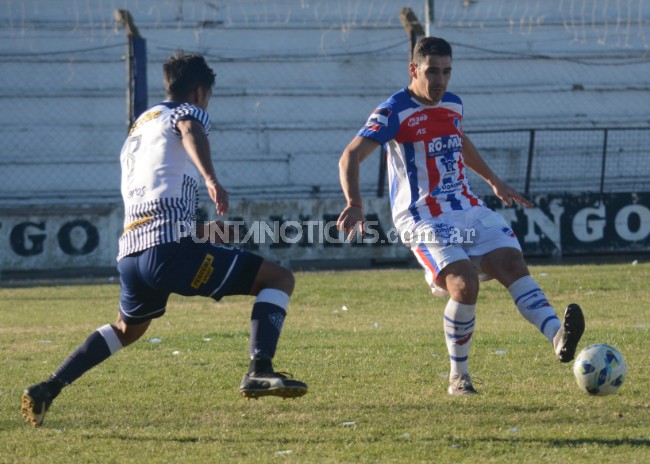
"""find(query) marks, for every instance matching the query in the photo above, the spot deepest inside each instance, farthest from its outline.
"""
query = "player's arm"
(351, 218)
(197, 146)
(476, 163)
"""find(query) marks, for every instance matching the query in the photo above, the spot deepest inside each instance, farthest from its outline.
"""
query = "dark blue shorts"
(148, 277)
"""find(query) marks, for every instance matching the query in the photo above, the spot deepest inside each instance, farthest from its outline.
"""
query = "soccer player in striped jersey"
(163, 160)
(454, 236)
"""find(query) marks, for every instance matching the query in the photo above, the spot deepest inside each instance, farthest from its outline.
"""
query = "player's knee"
(129, 333)
(462, 286)
(463, 290)
(287, 280)
(274, 276)
(507, 265)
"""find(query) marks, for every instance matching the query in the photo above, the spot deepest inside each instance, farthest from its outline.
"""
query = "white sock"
(459, 326)
(534, 306)
(111, 339)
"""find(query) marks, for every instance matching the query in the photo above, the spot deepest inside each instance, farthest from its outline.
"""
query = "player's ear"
(198, 95)
(413, 69)
(194, 96)
(203, 94)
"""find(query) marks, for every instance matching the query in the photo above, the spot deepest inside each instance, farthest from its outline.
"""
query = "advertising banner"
(301, 231)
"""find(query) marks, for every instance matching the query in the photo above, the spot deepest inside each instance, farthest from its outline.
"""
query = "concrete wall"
(296, 80)
(300, 233)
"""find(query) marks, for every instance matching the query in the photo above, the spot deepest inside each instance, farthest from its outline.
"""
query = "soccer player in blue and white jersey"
(163, 160)
(455, 237)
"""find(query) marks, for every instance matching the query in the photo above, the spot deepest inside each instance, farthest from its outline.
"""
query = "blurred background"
(556, 92)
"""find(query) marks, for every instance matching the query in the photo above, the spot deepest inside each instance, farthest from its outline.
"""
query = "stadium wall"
(297, 79)
(302, 233)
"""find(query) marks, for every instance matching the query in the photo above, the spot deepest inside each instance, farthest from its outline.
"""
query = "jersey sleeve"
(382, 125)
(188, 111)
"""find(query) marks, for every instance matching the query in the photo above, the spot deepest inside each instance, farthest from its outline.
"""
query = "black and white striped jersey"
(160, 184)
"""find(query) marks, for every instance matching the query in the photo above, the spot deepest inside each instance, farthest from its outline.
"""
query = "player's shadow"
(185, 439)
(573, 442)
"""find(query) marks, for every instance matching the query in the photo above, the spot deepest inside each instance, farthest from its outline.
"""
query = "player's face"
(429, 79)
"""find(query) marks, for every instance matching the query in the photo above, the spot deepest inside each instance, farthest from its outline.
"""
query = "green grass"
(377, 377)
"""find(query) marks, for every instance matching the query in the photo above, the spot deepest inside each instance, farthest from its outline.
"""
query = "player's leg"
(139, 303)
(507, 265)
(99, 346)
(217, 271)
(273, 287)
(448, 268)
(460, 280)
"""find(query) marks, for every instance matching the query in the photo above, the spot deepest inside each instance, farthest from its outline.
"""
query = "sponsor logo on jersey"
(448, 185)
(204, 272)
(137, 223)
(508, 231)
(445, 145)
(145, 118)
(138, 192)
(416, 120)
(378, 119)
(450, 182)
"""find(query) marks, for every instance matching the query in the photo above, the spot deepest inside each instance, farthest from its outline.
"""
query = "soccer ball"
(600, 369)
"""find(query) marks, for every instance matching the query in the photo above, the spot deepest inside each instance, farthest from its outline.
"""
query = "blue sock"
(101, 344)
(267, 319)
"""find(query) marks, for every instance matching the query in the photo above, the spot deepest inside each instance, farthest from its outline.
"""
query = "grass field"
(377, 374)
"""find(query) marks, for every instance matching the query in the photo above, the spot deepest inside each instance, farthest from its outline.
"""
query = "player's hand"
(351, 222)
(218, 232)
(218, 195)
(509, 195)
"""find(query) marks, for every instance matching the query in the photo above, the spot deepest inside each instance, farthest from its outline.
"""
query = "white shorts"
(458, 235)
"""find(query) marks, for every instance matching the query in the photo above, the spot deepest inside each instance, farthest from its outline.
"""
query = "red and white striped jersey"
(426, 170)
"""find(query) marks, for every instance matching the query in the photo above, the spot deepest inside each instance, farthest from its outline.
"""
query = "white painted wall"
(297, 78)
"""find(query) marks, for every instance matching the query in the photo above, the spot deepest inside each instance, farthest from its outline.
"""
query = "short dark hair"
(182, 74)
(427, 46)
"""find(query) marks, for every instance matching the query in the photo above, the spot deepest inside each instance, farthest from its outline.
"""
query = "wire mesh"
(296, 80)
